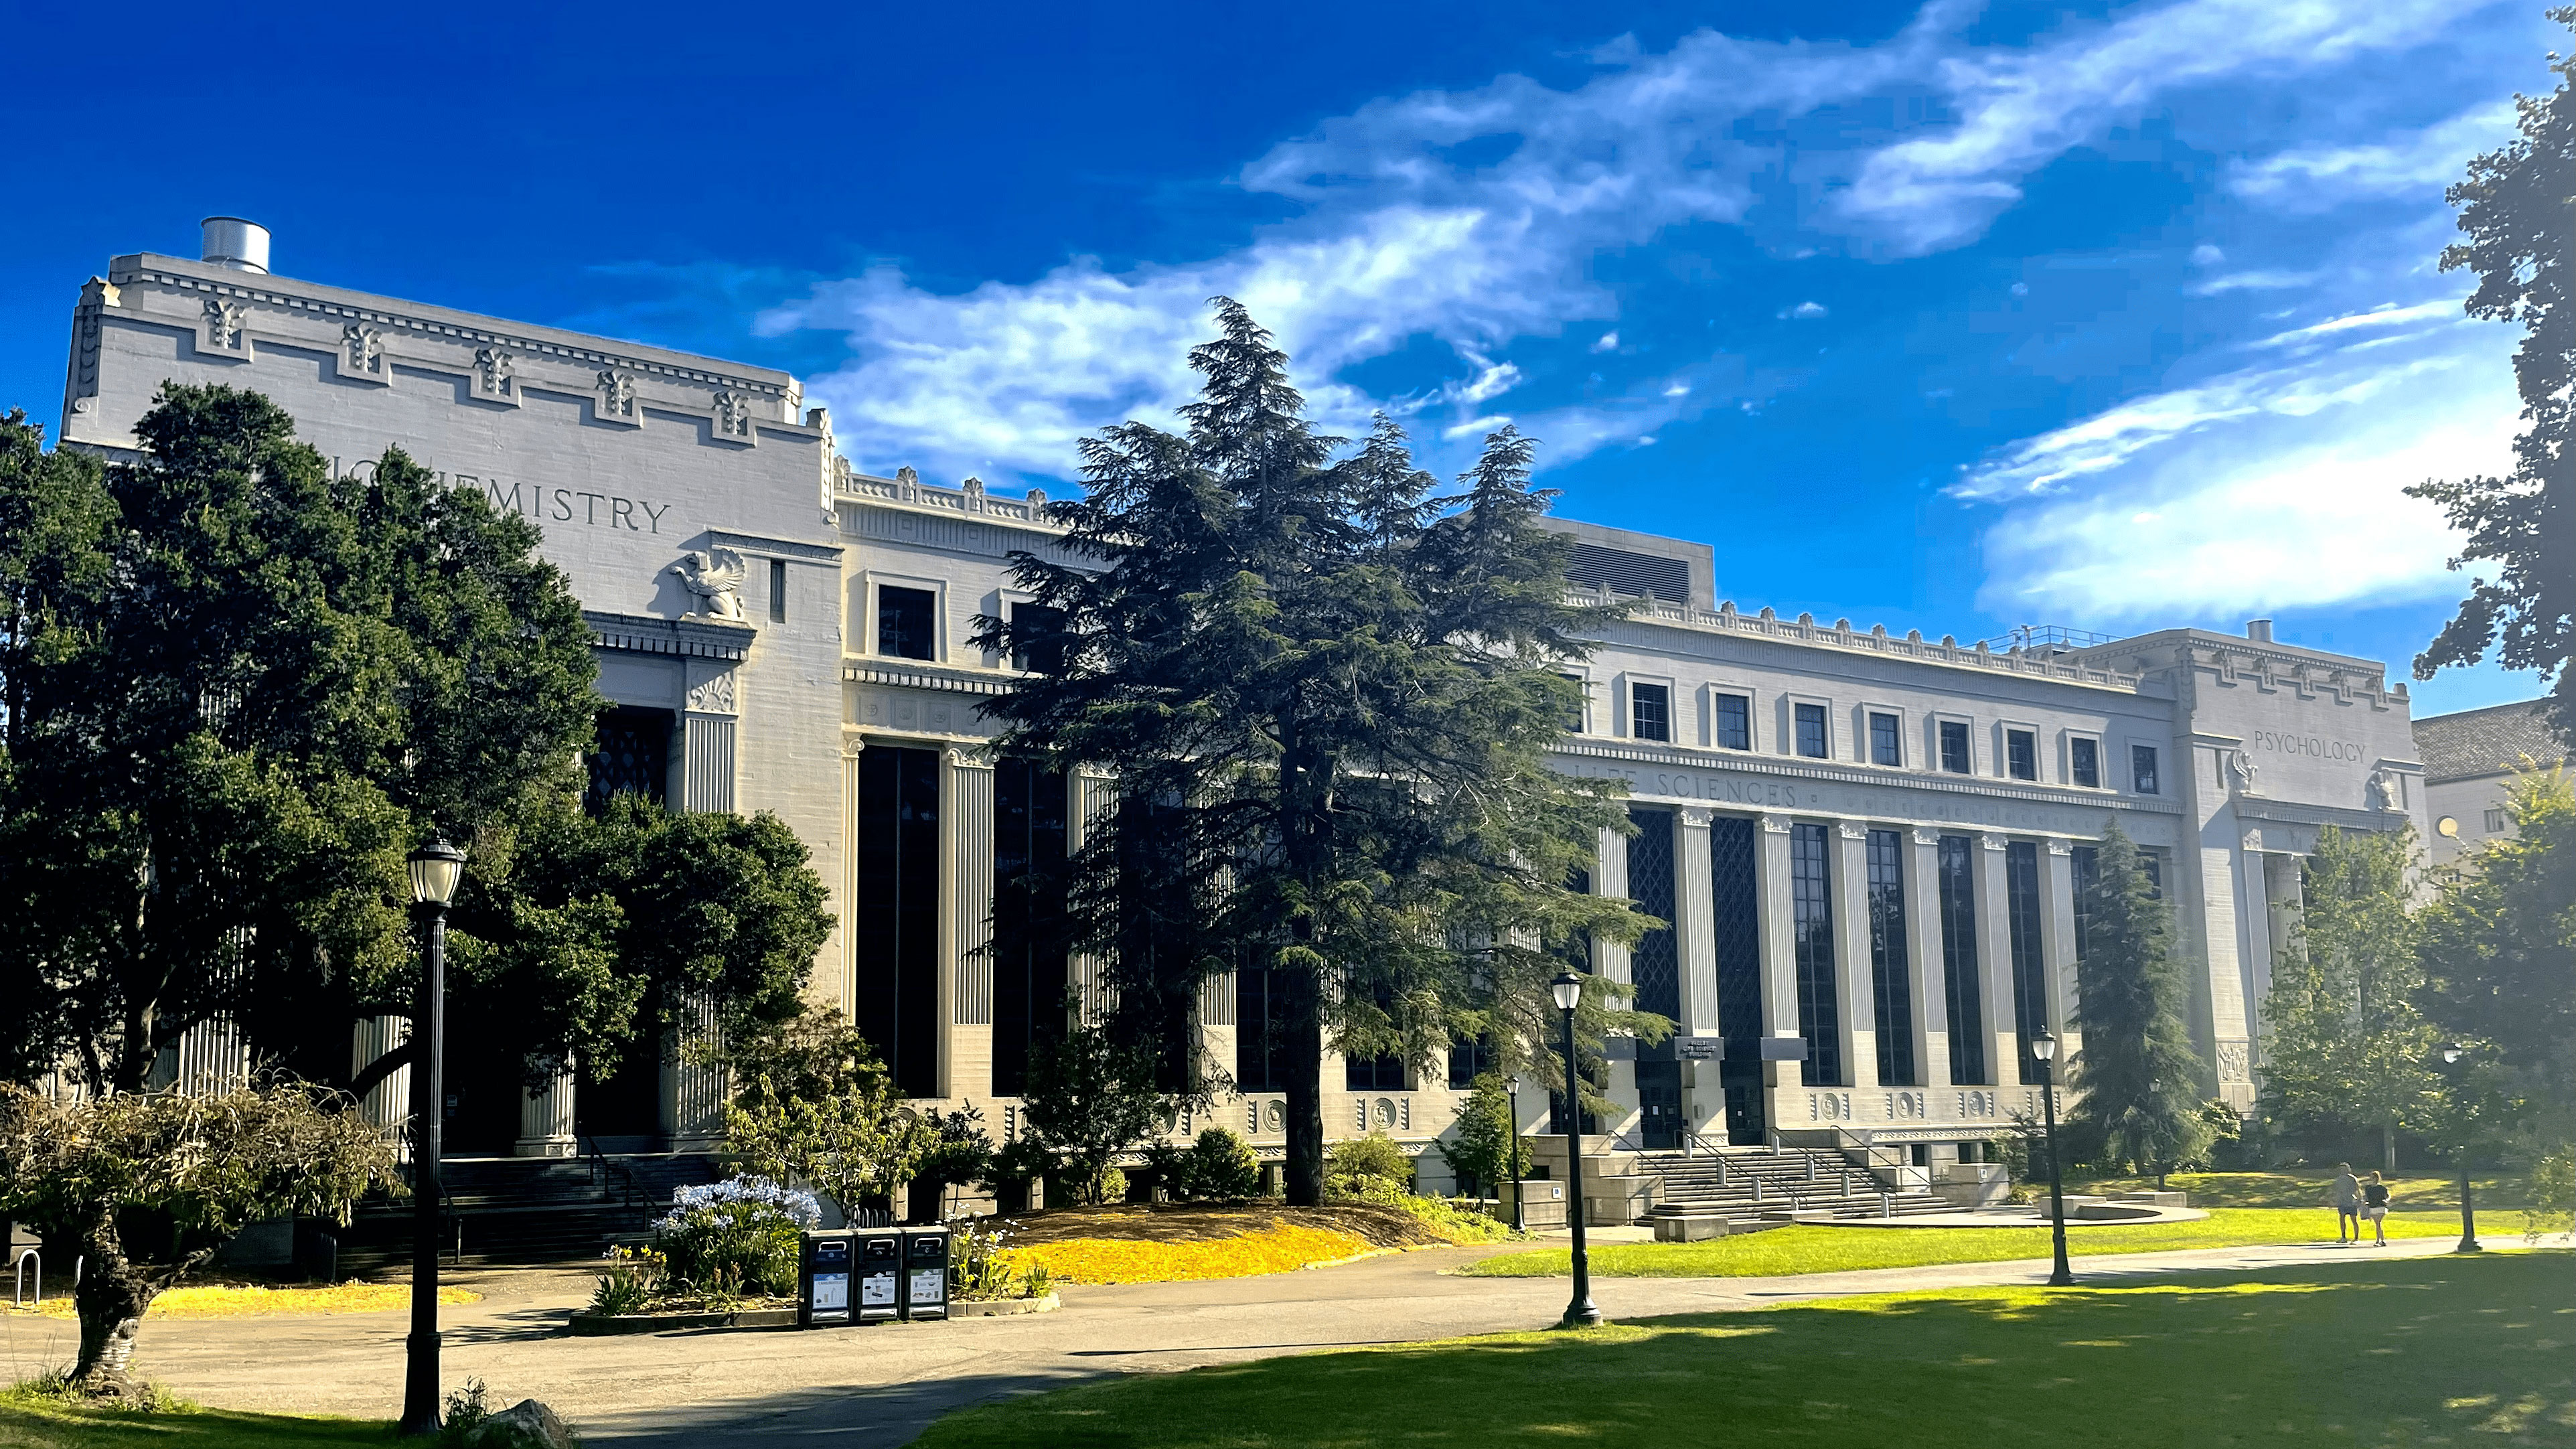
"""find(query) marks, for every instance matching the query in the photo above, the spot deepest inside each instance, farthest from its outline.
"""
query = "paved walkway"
(878, 1386)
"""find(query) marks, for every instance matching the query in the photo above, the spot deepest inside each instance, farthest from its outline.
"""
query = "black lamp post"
(435, 870)
(2451, 1054)
(1520, 1222)
(1567, 988)
(2044, 1048)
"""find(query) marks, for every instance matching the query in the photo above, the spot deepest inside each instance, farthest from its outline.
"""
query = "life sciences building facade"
(1871, 843)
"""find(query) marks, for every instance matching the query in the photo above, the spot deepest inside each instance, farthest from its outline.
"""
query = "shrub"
(1369, 1169)
(1223, 1166)
(1167, 1167)
(2553, 1195)
(739, 1236)
(1486, 1150)
(633, 1276)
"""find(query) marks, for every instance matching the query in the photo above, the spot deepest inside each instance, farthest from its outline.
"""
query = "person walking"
(2374, 1206)
(2347, 1205)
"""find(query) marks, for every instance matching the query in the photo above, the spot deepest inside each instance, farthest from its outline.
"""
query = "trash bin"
(880, 1276)
(823, 1280)
(925, 1273)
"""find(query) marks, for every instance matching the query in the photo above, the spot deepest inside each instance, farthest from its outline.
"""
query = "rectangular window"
(1650, 712)
(1957, 872)
(1812, 741)
(2142, 769)
(2151, 859)
(1954, 746)
(907, 623)
(631, 752)
(896, 909)
(1468, 1060)
(1886, 746)
(1373, 1074)
(2085, 870)
(1654, 963)
(1738, 920)
(1811, 921)
(778, 591)
(2029, 962)
(1890, 980)
(2021, 754)
(1037, 639)
(1734, 722)
(2495, 822)
(2086, 756)
(1575, 712)
(1031, 975)
(1261, 1031)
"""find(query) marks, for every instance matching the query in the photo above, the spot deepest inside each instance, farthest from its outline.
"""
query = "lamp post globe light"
(436, 868)
(2043, 1048)
(2451, 1053)
(1567, 988)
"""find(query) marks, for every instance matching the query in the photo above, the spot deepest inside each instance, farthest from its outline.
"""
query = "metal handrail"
(599, 1165)
(19, 1297)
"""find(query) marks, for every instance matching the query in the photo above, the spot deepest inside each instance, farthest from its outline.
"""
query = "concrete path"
(880, 1385)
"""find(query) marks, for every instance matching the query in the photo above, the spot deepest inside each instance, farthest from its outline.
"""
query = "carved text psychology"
(2290, 744)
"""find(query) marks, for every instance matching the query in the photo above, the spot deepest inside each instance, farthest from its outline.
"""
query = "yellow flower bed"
(1279, 1249)
(227, 1301)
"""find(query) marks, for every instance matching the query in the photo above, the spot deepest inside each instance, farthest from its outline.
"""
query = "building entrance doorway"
(1745, 1126)
(1659, 1097)
(621, 1111)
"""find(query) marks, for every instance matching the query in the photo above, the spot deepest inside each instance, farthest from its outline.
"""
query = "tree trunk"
(1305, 1053)
(2388, 1148)
(111, 1299)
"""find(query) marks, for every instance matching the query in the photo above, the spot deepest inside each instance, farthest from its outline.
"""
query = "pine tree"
(2137, 1075)
(2344, 1041)
(1328, 696)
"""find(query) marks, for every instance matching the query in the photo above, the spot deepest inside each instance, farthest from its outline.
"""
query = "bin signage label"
(876, 1291)
(831, 1292)
(929, 1285)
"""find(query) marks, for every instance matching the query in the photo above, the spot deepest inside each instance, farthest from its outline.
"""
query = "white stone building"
(2471, 760)
(1868, 842)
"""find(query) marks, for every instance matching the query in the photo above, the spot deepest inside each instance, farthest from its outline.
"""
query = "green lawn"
(37, 1423)
(1813, 1249)
(2378, 1352)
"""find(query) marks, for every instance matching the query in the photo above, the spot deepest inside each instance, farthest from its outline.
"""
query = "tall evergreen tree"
(2518, 208)
(2138, 1076)
(2344, 1042)
(1328, 696)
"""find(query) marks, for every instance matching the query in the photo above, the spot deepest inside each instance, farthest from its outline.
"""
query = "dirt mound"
(1204, 1222)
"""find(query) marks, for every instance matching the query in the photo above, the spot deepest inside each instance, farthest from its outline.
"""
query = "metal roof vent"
(237, 244)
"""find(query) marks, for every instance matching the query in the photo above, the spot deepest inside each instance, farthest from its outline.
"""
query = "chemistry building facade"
(1871, 843)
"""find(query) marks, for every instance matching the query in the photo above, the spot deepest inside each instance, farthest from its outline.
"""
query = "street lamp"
(2044, 1048)
(1520, 1221)
(435, 870)
(1567, 988)
(2451, 1054)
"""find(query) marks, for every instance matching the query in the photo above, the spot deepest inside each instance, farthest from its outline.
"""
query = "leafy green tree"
(2499, 953)
(812, 1105)
(1091, 1098)
(2345, 1042)
(1329, 694)
(2137, 1076)
(1222, 1166)
(2514, 206)
(1487, 1148)
(85, 1172)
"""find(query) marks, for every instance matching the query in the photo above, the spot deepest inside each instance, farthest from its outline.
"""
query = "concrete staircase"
(518, 1210)
(1749, 1185)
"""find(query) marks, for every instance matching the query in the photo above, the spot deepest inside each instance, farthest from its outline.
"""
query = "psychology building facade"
(1869, 842)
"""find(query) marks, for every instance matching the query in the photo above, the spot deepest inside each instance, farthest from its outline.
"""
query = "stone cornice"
(650, 634)
(1840, 636)
(1781, 767)
(916, 674)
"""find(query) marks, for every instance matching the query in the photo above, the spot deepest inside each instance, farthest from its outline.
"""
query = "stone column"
(388, 1104)
(966, 1062)
(1779, 949)
(847, 987)
(694, 1094)
(1858, 992)
(2057, 946)
(707, 738)
(545, 1119)
(1923, 955)
(1094, 796)
(1611, 961)
(1695, 946)
(1994, 959)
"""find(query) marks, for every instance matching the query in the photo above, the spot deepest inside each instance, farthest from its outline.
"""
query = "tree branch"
(376, 1071)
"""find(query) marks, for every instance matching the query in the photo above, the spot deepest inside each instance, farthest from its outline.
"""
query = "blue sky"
(1947, 316)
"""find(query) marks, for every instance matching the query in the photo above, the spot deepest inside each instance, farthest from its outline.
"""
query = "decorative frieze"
(362, 355)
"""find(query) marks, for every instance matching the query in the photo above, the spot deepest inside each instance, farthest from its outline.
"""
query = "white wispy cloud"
(1399, 239)
(2416, 163)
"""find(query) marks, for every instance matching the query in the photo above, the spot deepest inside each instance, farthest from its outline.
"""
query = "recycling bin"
(925, 1273)
(823, 1280)
(880, 1272)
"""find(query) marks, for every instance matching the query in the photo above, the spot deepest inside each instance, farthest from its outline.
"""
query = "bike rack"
(19, 1296)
